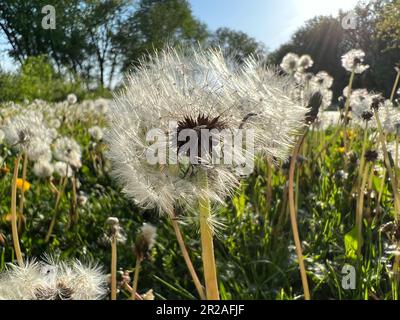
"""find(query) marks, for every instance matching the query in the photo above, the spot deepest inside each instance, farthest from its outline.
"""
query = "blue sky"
(269, 21)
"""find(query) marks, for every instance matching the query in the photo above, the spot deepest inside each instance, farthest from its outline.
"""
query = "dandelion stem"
(186, 257)
(382, 185)
(17, 248)
(392, 176)
(360, 207)
(350, 88)
(22, 199)
(210, 272)
(60, 192)
(396, 83)
(293, 218)
(346, 115)
(136, 278)
(114, 268)
(269, 187)
(129, 289)
(364, 147)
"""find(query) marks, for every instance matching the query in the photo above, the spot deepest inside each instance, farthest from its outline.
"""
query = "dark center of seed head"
(197, 124)
(371, 156)
(367, 115)
(357, 61)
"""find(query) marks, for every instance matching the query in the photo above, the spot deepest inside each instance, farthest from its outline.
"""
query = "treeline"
(95, 42)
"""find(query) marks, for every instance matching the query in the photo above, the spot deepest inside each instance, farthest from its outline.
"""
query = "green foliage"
(36, 79)
(154, 24)
(388, 24)
(237, 44)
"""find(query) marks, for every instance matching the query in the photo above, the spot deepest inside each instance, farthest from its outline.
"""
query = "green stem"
(210, 270)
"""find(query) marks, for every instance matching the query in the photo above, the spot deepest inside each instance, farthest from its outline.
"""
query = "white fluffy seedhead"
(27, 132)
(69, 151)
(53, 279)
(195, 89)
(354, 61)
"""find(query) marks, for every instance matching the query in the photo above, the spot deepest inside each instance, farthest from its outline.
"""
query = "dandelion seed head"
(290, 63)
(353, 60)
(72, 98)
(305, 62)
(43, 169)
(68, 150)
(322, 80)
(96, 133)
(196, 89)
(63, 169)
(145, 240)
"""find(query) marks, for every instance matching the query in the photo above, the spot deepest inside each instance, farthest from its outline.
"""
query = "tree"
(321, 38)
(388, 25)
(102, 22)
(156, 23)
(82, 41)
(237, 44)
(326, 41)
(21, 23)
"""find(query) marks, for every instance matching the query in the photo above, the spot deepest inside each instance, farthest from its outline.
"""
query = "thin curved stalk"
(382, 186)
(269, 187)
(129, 289)
(392, 175)
(113, 268)
(60, 193)
(22, 199)
(396, 83)
(14, 227)
(186, 257)
(293, 219)
(360, 209)
(136, 278)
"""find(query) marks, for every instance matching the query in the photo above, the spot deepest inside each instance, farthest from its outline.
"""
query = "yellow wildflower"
(341, 150)
(25, 184)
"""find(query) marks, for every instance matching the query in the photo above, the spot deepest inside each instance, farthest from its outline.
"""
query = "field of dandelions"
(84, 215)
